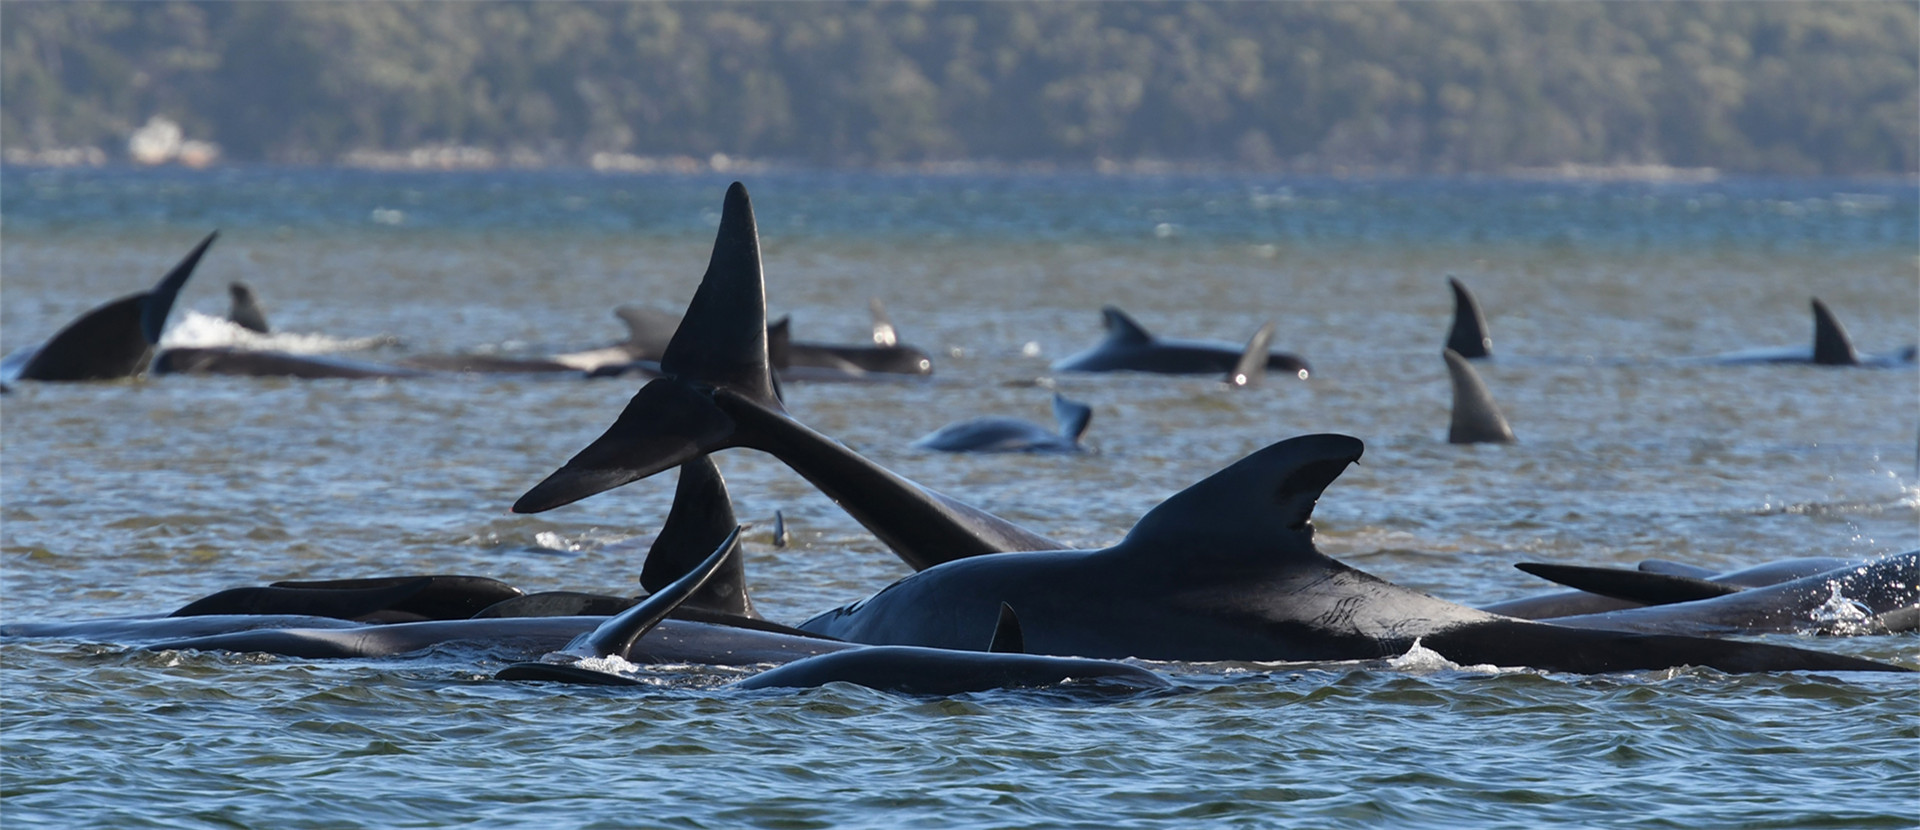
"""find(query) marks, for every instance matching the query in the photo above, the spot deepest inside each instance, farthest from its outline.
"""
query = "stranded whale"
(1002, 434)
(1128, 347)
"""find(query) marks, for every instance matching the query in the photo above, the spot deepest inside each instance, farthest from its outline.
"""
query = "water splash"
(1843, 616)
(201, 331)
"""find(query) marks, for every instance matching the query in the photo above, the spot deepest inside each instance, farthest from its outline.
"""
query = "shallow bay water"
(132, 498)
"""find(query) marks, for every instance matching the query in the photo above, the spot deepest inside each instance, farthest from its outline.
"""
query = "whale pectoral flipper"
(1252, 367)
(616, 636)
(1633, 586)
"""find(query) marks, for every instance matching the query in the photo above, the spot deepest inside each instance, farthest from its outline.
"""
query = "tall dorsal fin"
(1630, 585)
(1245, 509)
(1007, 637)
(244, 309)
(1123, 329)
(884, 334)
(617, 635)
(1831, 346)
(722, 339)
(648, 329)
(1468, 336)
(1476, 418)
(1251, 368)
(1072, 417)
(702, 516)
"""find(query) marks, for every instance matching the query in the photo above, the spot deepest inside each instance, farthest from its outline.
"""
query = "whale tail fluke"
(1251, 369)
(701, 518)
(115, 340)
(244, 309)
(1831, 345)
(721, 344)
(1476, 418)
(1468, 336)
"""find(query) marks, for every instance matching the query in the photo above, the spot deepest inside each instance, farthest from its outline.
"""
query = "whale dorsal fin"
(1072, 417)
(1007, 638)
(722, 339)
(115, 340)
(1247, 508)
(1123, 329)
(884, 334)
(616, 636)
(1252, 366)
(702, 516)
(1468, 336)
(1831, 346)
(244, 308)
(1631, 585)
(1476, 418)
(648, 329)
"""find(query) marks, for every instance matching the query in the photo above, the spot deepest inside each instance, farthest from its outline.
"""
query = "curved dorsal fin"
(1007, 637)
(722, 339)
(1831, 346)
(1476, 418)
(701, 516)
(648, 329)
(617, 635)
(884, 334)
(244, 310)
(1072, 417)
(780, 342)
(1244, 509)
(1252, 366)
(1468, 336)
(1630, 585)
(1123, 329)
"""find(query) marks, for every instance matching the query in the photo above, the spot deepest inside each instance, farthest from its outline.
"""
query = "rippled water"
(133, 498)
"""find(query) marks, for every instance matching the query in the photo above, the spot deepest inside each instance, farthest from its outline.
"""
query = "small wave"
(197, 330)
(1422, 660)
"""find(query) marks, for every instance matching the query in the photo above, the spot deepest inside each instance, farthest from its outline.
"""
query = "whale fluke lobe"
(666, 424)
(701, 518)
(1468, 335)
(1072, 417)
(722, 339)
(616, 636)
(244, 308)
(1831, 345)
(115, 340)
(1476, 418)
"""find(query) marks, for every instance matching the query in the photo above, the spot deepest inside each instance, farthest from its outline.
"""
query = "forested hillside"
(1421, 87)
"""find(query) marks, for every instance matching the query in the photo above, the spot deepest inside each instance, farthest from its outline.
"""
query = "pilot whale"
(1224, 570)
(1877, 597)
(1002, 434)
(1468, 334)
(1610, 589)
(1831, 347)
(1476, 418)
(115, 340)
(1129, 347)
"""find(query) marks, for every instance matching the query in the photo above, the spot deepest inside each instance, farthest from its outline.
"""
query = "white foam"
(1422, 660)
(198, 330)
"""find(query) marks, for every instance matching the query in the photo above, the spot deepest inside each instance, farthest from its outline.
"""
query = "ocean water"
(136, 497)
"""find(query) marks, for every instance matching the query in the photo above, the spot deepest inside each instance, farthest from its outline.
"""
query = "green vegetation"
(1424, 87)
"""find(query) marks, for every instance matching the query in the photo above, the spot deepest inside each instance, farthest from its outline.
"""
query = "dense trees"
(1797, 88)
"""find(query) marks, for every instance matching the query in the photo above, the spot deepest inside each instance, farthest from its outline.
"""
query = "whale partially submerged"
(1225, 570)
(1831, 347)
(112, 341)
(1128, 347)
(1003, 434)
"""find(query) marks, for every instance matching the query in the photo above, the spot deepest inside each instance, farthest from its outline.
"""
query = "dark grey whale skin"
(1129, 348)
(115, 340)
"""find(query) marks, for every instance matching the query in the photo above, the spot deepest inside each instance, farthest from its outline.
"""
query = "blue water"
(130, 498)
